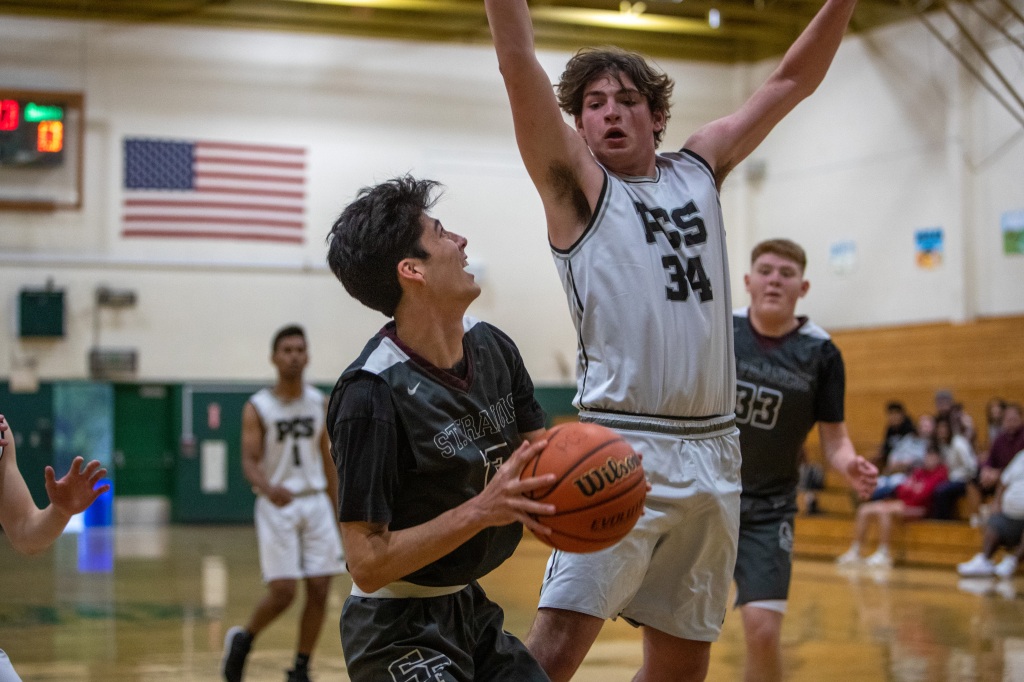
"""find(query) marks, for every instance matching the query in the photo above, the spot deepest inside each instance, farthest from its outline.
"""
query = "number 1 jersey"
(291, 444)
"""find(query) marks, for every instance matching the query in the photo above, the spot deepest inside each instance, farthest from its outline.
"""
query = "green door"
(209, 485)
(144, 439)
(31, 418)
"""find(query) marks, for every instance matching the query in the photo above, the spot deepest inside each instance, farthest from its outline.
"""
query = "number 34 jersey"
(291, 441)
(648, 289)
(784, 385)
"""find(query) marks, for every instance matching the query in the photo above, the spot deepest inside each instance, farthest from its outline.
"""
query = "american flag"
(213, 190)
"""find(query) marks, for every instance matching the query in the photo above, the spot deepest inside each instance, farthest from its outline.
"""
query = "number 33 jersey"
(784, 385)
(648, 289)
(291, 441)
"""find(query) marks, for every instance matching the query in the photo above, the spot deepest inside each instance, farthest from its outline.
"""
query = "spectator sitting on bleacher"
(947, 407)
(897, 425)
(912, 501)
(958, 456)
(1004, 528)
(905, 456)
(1008, 443)
(993, 419)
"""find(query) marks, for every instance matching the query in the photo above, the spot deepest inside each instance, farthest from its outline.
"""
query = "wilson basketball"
(599, 487)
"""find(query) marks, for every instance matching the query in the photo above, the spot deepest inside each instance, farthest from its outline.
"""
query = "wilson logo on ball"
(609, 473)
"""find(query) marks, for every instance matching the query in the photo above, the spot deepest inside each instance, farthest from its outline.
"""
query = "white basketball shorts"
(298, 540)
(674, 569)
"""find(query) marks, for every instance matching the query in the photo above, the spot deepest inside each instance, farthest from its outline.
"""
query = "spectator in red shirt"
(913, 498)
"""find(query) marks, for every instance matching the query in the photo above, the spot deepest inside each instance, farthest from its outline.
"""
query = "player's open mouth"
(615, 134)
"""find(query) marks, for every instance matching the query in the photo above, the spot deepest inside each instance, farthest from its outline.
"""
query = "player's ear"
(746, 282)
(409, 269)
(805, 286)
(659, 120)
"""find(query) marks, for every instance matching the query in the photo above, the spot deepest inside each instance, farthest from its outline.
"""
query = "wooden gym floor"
(154, 603)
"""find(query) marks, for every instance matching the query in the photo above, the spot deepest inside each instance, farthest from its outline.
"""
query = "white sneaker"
(978, 567)
(849, 557)
(1006, 568)
(879, 559)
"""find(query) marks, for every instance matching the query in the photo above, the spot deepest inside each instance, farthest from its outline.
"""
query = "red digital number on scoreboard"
(10, 114)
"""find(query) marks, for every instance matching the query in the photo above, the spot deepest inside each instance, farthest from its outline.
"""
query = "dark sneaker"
(297, 676)
(237, 643)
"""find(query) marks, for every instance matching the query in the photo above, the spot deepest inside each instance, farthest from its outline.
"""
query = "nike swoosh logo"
(412, 391)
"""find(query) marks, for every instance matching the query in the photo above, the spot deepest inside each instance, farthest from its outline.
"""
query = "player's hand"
(863, 476)
(4, 430)
(502, 501)
(280, 496)
(75, 490)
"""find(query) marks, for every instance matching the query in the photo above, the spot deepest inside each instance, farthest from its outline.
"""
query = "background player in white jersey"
(789, 376)
(286, 457)
(639, 243)
(429, 428)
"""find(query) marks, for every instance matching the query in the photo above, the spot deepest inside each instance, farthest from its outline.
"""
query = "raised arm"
(861, 474)
(557, 159)
(726, 142)
(30, 529)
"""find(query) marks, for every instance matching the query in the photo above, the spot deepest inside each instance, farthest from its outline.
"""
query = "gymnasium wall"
(898, 138)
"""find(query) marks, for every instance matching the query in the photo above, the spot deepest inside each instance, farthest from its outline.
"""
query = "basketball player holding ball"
(639, 243)
(430, 429)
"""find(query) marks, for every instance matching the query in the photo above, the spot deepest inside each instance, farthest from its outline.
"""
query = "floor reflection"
(142, 603)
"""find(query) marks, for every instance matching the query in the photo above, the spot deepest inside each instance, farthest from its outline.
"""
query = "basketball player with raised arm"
(430, 427)
(638, 240)
(286, 457)
(789, 376)
(31, 529)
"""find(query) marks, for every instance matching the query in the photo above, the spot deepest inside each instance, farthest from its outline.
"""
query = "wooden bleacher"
(975, 360)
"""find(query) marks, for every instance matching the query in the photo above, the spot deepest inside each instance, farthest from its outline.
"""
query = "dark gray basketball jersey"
(412, 441)
(648, 290)
(784, 386)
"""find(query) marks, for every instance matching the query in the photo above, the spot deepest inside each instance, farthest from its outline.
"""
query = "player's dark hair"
(593, 62)
(284, 332)
(784, 248)
(372, 236)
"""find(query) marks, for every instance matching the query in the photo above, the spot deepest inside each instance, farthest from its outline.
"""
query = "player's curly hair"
(372, 236)
(592, 62)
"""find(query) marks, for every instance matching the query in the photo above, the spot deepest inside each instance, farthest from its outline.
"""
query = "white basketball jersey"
(291, 444)
(648, 290)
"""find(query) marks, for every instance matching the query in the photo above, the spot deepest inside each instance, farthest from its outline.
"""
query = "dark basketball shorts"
(1007, 529)
(764, 559)
(452, 638)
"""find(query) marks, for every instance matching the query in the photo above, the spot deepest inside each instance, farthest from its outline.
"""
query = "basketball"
(599, 487)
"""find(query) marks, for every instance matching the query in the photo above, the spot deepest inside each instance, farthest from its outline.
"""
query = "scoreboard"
(40, 149)
(31, 134)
